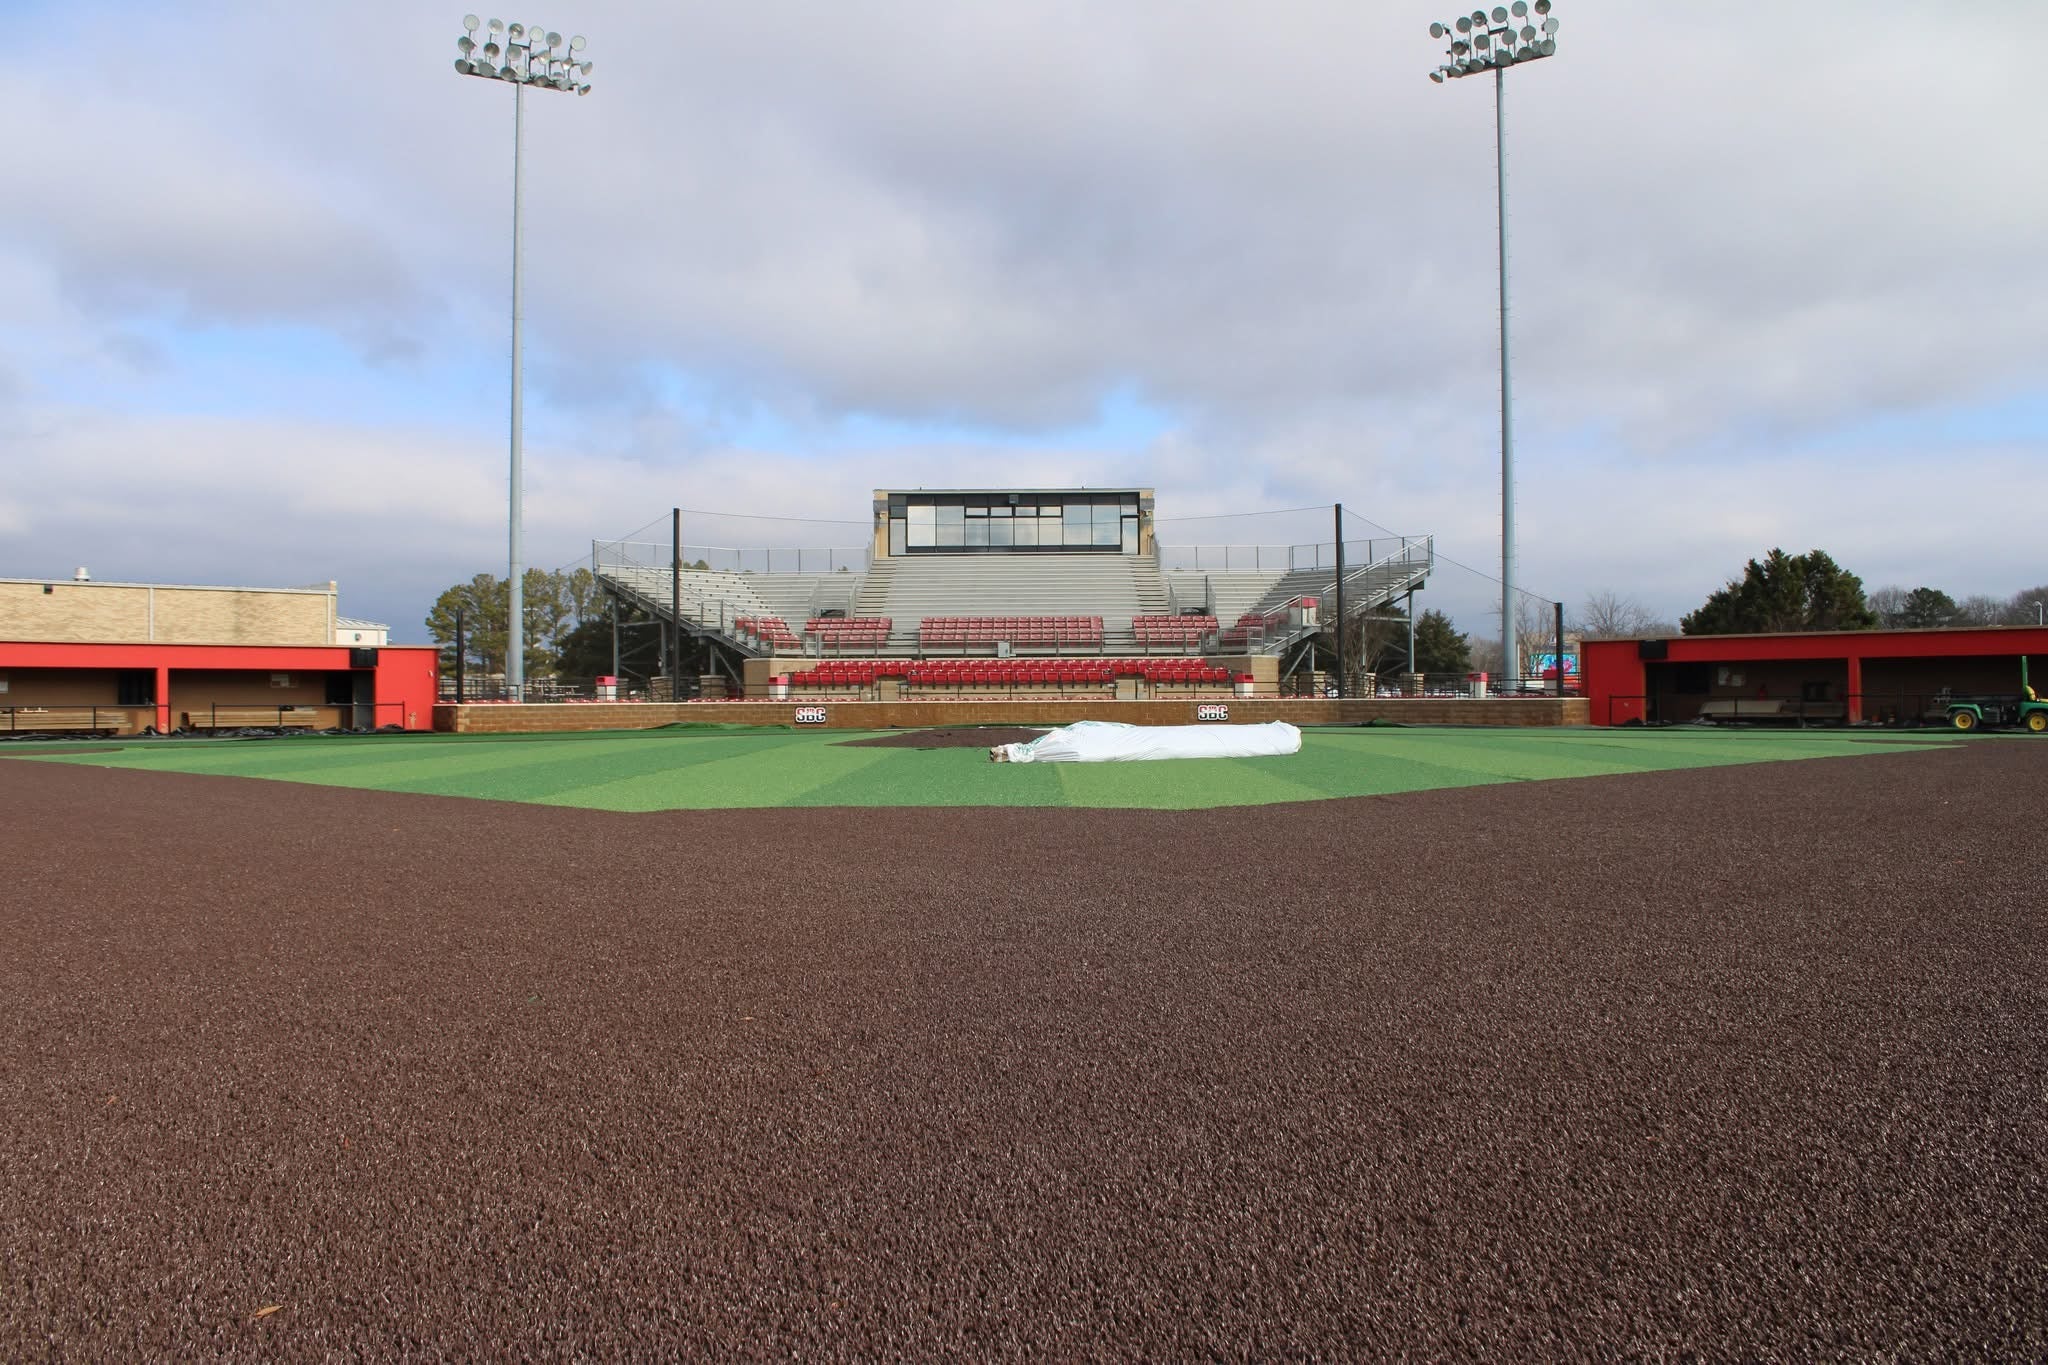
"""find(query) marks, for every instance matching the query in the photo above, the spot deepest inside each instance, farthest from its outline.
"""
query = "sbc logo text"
(810, 715)
(1212, 713)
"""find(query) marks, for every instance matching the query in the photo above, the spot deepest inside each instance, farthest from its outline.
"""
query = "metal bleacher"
(711, 600)
(1258, 610)
(1252, 604)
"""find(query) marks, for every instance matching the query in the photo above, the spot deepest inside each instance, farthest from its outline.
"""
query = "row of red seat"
(1021, 630)
(866, 672)
(1174, 622)
(1013, 671)
(1171, 630)
(853, 672)
(1251, 628)
(1182, 670)
(848, 625)
(769, 629)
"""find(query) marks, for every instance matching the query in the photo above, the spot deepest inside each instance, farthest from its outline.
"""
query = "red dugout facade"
(1885, 676)
(123, 688)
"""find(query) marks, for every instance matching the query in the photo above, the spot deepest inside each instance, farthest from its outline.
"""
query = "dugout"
(79, 656)
(1818, 677)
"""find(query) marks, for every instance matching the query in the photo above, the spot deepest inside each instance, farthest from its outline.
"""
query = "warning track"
(1743, 1061)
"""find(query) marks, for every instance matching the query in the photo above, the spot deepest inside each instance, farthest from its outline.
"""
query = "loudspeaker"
(362, 658)
(1653, 649)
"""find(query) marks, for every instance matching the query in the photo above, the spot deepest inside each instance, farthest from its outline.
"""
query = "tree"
(2026, 606)
(483, 604)
(1927, 607)
(1979, 609)
(1609, 614)
(586, 651)
(554, 604)
(549, 613)
(1782, 593)
(1886, 603)
(1898, 609)
(1439, 648)
(1536, 633)
(586, 596)
(1374, 640)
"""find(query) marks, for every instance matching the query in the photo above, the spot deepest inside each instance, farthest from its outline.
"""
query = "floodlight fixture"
(1498, 39)
(1498, 42)
(524, 58)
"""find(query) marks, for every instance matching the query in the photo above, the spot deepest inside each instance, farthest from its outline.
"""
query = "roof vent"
(82, 575)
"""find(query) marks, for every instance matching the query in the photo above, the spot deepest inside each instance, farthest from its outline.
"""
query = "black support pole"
(673, 665)
(1557, 647)
(1340, 600)
(461, 651)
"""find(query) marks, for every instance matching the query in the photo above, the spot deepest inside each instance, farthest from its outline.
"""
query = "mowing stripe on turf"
(731, 767)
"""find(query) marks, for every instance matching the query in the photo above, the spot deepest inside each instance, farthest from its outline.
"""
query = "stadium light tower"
(1494, 42)
(523, 55)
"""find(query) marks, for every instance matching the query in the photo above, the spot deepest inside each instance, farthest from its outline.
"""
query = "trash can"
(607, 688)
(778, 687)
(1478, 681)
(1243, 686)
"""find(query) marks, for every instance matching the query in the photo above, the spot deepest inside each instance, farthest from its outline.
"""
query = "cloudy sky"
(1776, 279)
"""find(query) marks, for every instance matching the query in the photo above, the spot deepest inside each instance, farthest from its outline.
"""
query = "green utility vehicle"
(2027, 711)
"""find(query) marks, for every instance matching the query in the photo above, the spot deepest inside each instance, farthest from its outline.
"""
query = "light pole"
(1494, 42)
(523, 56)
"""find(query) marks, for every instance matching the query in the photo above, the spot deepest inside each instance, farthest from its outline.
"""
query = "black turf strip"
(1743, 1062)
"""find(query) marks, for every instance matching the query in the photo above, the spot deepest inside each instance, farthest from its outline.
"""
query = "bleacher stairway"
(1235, 595)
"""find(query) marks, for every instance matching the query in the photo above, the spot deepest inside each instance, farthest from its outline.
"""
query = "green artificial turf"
(716, 767)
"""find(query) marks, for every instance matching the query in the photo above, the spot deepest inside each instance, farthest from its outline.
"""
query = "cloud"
(269, 313)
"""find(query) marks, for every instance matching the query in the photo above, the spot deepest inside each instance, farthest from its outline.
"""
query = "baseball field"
(767, 1043)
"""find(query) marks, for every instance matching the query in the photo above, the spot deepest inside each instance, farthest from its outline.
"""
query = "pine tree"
(1783, 593)
(1439, 648)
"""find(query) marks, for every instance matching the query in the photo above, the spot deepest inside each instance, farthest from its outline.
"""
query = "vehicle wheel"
(2037, 722)
(1962, 720)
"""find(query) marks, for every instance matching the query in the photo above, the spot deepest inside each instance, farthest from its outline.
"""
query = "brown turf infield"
(1744, 1062)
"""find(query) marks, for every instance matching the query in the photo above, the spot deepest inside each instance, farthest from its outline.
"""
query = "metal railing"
(1285, 558)
(1270, 630)
(650, 554)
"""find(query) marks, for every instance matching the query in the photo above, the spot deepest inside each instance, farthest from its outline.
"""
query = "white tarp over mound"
(1109, 741)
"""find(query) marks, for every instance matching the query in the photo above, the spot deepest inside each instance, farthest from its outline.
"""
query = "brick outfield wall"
(487, 719)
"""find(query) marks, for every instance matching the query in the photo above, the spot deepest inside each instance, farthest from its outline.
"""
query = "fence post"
(1557, 646)
(672, 664)
(1340, 601)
